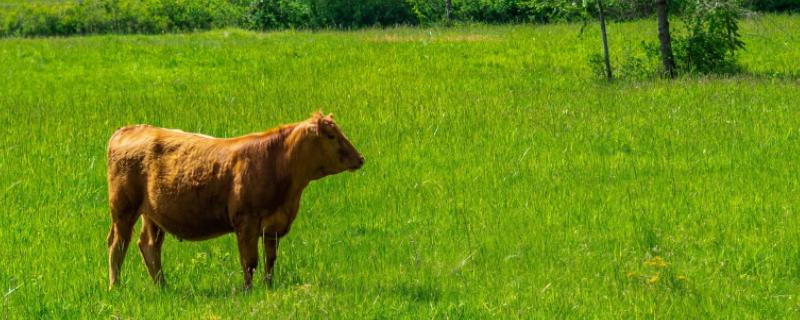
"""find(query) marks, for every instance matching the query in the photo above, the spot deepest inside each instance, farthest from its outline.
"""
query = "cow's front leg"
(270, 255)
(247, 240)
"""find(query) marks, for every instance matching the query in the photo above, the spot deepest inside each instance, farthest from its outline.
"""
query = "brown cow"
(197, 187)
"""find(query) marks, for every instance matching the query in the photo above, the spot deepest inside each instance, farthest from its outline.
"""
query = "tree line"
(160, 16)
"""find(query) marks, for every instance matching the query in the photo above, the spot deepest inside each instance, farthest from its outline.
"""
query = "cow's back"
(180, 180)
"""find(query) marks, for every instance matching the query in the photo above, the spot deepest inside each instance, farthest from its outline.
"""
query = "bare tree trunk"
(665, 39)
(605, 39)
(448, 7)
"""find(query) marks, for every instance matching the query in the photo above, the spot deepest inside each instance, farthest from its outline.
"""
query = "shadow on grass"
(226, 290)
(729, 74)
(416, 292)
(638, 68)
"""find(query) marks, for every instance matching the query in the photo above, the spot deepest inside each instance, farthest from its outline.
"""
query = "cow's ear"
(313, 129)
(325, 122)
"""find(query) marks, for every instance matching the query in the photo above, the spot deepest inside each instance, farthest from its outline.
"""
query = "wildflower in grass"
(653, 279)
(656, 261)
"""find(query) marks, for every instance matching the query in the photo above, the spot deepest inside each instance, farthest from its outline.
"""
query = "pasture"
(501, 178)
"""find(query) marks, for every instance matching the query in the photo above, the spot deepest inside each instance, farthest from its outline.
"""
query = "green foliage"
(542, 11)
(597, 65)
(489, 11)
(629, 63)
(551, 10)
(500, 11)
(158, 16)
(117, 16)
(276, 14)
(774, 5)
(706, 42)
(640, 64)
(427, 11)
(711, 36)
(355, 13)
(625, 9)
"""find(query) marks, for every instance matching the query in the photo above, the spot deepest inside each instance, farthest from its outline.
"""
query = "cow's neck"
(275, 160)
(297, 162)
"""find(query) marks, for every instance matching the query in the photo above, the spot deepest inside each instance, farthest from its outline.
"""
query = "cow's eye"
(330, 136)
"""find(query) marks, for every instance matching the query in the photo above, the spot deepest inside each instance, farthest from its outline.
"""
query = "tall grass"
(501, 179)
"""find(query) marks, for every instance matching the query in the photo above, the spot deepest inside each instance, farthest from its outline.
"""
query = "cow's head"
(329, 151)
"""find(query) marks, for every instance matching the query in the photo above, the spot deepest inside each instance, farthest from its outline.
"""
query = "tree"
(605, 39)
(448, 7)
(664, 38)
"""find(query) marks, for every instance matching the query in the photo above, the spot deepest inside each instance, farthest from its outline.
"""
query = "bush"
(498, 11)
(774, 5)
(711, 36)
(551, 10)
(127, 16)
(197, 14)
(272, 14)
(630, 63)
(355, 13)
(627, 9)
(427, 11)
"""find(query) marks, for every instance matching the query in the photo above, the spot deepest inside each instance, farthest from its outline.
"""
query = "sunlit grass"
(501, 177)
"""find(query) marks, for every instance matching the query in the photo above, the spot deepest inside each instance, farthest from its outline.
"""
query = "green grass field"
(502, 179)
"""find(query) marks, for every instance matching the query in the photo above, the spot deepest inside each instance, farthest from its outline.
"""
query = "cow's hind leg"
(123, 217)
(119, 238)
(150, 241)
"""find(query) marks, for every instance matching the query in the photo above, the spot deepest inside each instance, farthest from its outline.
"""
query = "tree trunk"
(605, 39)
(448, 7)
(665, 39)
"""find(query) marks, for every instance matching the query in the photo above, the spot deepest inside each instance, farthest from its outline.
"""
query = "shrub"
(104, 16)
(271, 14)
(627, 9)
(354, 13)
(774, 5)
(711, 36)
(551, 10)
(630, 64)
(426, 11)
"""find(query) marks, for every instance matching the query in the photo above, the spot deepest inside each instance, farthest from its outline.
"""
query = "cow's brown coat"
(198, 187)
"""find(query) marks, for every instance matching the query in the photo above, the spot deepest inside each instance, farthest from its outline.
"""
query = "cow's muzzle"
(359, 163)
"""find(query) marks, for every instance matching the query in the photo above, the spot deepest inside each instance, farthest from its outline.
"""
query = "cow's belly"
(277, 224)
(190, 218)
